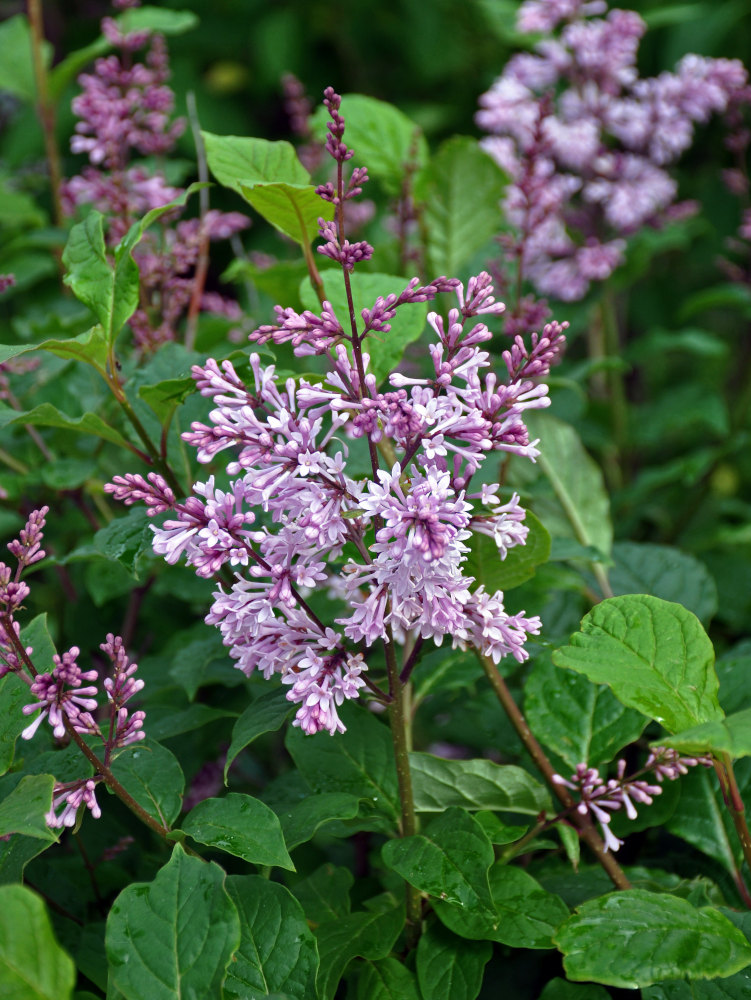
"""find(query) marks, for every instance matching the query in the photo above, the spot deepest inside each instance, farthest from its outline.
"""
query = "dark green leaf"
(580, 721)
(240, 825)
(560, 989)
(166, 721)
(16, 853)
(474, 784)
(174, 937)
(165, 396)
(14, 694)
(735, 987)
(359, 762)
(25, 809)
(385, 349)
(264, 715)
(33, 966)
(152, 775)
(126, 538)
(368, 935)
(636, 938)
(301, 821)
(450, 967)
(464, 187)
(484, 562)
(641, 568)
(293, 209)
(324, 895)
(655, 656)
(277, 952)
(449, 860)
(702, 820)
(526, 915)
(386, 979)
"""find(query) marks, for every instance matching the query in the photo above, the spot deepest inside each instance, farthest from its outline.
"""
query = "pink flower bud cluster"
(600, 798)
(586, 142)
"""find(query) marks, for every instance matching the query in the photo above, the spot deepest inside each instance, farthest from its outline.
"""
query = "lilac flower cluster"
(600, 798)
(586, 142)
(60, 696)
(392, 546)
(125, 109)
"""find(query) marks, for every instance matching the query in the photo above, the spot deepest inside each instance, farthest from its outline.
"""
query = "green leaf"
(560, 989)
(484, 562)
(166, 721)
(660, 570)
(385, 349)
(277, 953)
(16, 853)
(722, 296)
(25, 809)
(636, 938)
(464, 187)
(165, 396)
(174, 937)
(126, 538)
(47, 415)
(293, 209)
(324, 895)
(301, 820)
(158, 20)
(386, 979)
(474, 784)
(369, 935)
(579, 721)
(654, 655)
(152, 775)
(235, 160)
(526, 915)
(731, 735)
(359, 761)
(33, 966)
(14, 694)
(239, 825)
(702, 820)
(577, 483)
(382, 137)
(264, 715)
(449, 860)
(735, 987)
(449, 967)
(16, 65)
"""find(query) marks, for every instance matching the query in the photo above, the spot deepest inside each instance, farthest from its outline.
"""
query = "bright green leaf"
(277, 953)
(16, 65)
(636, 938)
(383, 138)
(33, 966)
(239, 825)
(235, 160)
(158, 20)
(47, 415)
(293, 209)
(654, 655)
(174, 937)
(474, 784)
(731, 735)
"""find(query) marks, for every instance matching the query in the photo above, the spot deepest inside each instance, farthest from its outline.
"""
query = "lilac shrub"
(587, 142)
(393, 545)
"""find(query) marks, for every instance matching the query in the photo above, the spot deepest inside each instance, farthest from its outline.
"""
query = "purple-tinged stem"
(731, 794)
(533, 748)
